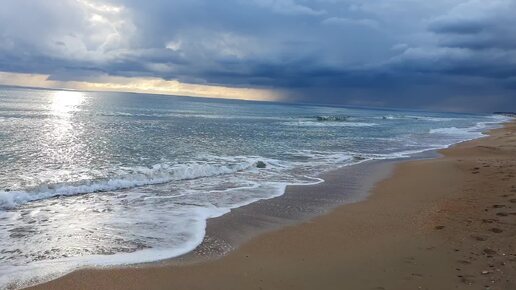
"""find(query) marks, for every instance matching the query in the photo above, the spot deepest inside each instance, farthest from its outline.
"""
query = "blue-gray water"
(112, 178)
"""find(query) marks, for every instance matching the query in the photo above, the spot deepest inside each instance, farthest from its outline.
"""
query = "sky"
(451, 55)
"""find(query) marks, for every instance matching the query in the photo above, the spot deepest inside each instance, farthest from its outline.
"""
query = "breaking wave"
(134, 177)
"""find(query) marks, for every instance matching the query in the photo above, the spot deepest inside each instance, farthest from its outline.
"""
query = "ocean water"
(98, 179)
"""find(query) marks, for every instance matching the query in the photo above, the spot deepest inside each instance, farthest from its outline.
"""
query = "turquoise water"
(114, 178)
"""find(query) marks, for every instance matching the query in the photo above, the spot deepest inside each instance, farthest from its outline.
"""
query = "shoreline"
(297, 205)
(110, 278)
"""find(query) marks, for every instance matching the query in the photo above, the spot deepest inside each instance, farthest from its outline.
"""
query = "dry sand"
(446, 223)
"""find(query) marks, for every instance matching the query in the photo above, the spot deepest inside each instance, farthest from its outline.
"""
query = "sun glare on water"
(61, 140)
(64, 102)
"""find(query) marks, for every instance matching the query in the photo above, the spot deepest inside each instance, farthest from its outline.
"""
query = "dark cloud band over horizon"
(457, 55)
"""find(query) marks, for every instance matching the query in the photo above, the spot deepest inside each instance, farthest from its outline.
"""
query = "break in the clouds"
(442, 54)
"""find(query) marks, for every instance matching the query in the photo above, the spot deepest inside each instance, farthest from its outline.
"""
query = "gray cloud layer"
(442, 54)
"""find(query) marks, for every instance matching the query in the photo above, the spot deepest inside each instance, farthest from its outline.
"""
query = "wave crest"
(133, 177)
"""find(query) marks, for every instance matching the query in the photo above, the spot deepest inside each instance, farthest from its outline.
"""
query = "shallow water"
(114, 178)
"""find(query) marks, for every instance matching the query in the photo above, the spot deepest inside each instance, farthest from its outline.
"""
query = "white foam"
(470, 132)
(457, 135)
(45, 270)
(136, 176)
(454, 131)
(424, 118)
(326, 157)
(436, 119)
(329, 124)
(41, 271)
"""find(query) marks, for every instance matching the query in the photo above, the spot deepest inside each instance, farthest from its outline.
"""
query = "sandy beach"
(444, 223)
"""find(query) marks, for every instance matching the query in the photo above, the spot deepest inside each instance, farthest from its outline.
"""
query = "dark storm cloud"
(478, 25)
(386, 53)
(455, 26)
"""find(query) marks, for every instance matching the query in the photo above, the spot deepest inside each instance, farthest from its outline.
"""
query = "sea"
(102, 179)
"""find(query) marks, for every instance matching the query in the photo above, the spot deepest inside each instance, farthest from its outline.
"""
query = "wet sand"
(445, 223)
